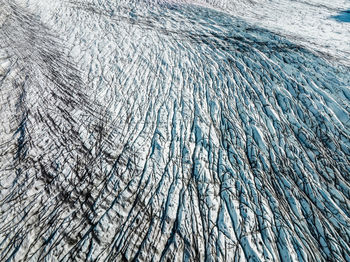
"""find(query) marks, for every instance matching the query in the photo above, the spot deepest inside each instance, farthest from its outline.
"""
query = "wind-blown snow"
(172, 131)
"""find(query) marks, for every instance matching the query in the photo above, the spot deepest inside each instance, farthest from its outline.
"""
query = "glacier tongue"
(168, 131)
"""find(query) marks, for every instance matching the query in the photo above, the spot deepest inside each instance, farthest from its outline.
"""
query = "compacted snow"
(174, 130)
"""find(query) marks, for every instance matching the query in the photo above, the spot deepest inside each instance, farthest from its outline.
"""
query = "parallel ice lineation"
(180, 133)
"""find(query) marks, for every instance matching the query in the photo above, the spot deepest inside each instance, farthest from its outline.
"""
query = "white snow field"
(212, 130)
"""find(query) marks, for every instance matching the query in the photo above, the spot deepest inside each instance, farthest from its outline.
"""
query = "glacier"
(209, 130)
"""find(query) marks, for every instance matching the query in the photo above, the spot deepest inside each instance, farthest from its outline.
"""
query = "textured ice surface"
(173, 131)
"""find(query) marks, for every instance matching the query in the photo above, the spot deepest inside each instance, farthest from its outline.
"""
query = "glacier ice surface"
(173, 131)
